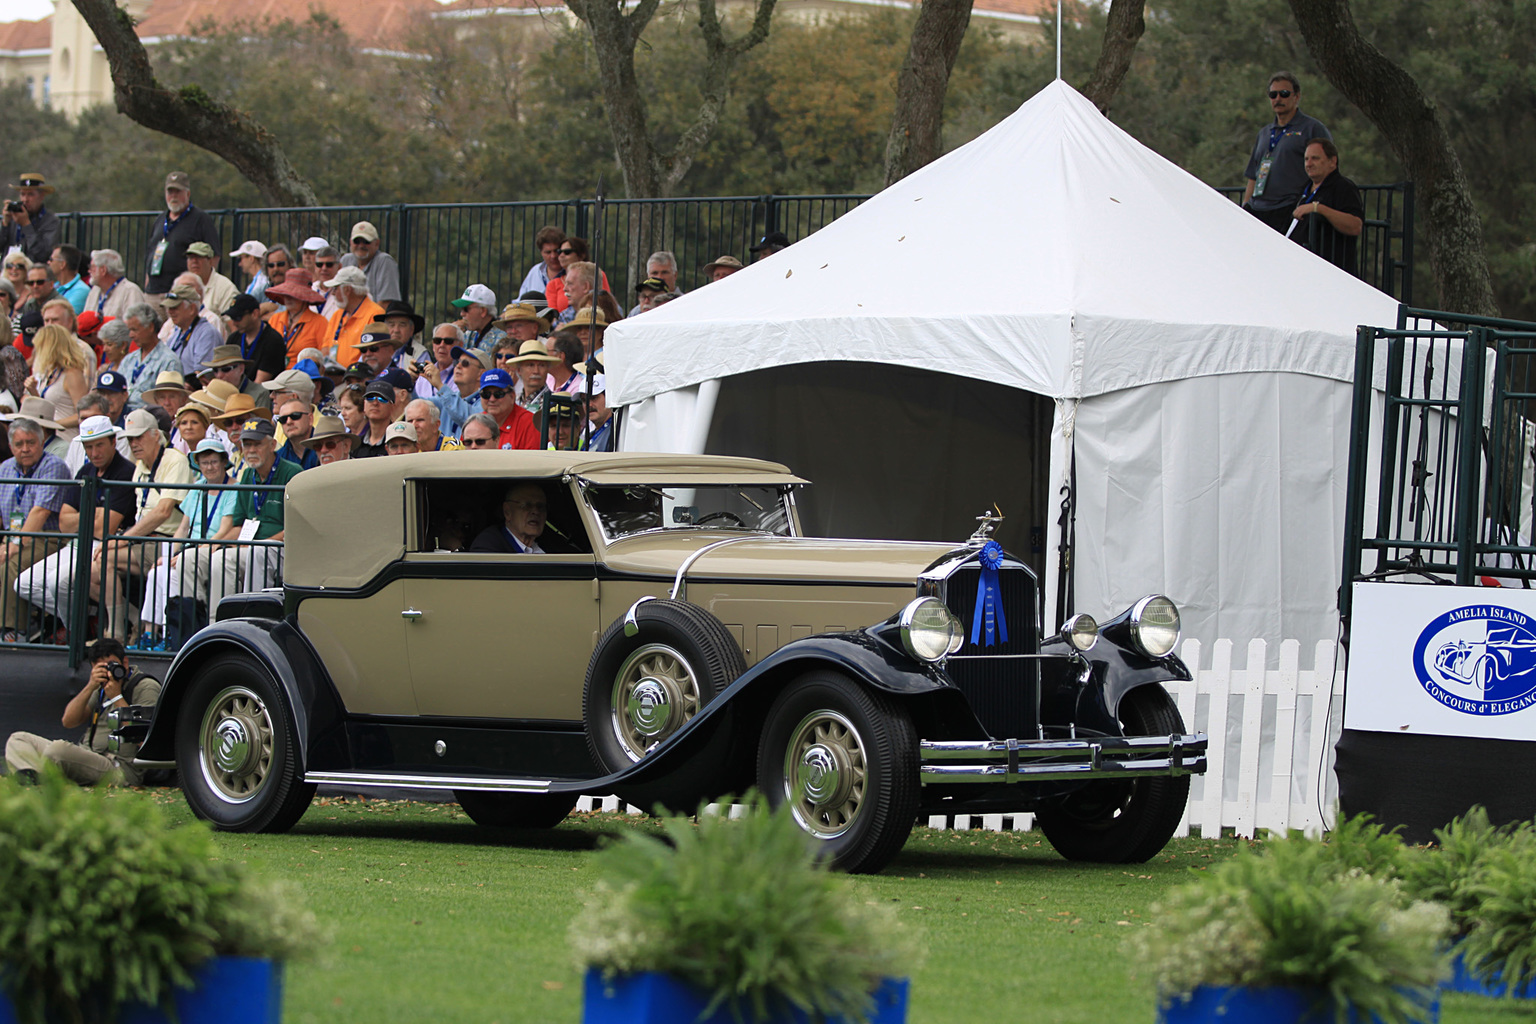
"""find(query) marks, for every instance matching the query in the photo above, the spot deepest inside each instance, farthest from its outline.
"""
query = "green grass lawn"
(436, 919)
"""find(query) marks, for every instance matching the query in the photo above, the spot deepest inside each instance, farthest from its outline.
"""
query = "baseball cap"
(178, 179)
(140, 421)
(179, 294)
(111, 380)
(397, 378)
(476, 295)
(382, 388)
(497, 378)
(202, 249)
(257, 427)
(251, 248)
(297, 379)
(363, 229)
(313, 244)
(244, 305)
(88, 323)
(770, 240)
(400, 428)
(350, 277)
(651, 284)
(208, 444)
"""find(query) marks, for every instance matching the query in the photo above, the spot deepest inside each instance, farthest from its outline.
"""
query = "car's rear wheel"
(515, 810)
(1124, 821)
(237, 750)
(642, 688)
(845, 760)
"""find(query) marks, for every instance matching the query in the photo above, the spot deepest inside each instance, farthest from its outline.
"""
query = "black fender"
(1113, 672)
(277, 647)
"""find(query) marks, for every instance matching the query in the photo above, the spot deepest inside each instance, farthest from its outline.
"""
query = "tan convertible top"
(344, 523)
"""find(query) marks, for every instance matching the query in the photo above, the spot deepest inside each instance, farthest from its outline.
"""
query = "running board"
(477, 782)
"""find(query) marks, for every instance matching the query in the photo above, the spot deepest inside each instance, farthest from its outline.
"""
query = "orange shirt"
(343, 331)
(309, 332)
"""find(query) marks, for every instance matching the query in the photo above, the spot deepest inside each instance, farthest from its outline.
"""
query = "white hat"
(95, 427)
(251, 248)
(599, 383)
(313, 244)
(349, 277)
(476, 295)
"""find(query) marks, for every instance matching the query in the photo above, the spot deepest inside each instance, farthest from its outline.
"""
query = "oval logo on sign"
(1479, 659)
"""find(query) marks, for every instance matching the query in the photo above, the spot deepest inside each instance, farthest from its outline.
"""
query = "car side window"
(452, 515)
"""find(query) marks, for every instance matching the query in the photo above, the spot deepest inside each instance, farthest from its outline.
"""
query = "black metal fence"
(61, 590)
(442, 248)
(1444, 419)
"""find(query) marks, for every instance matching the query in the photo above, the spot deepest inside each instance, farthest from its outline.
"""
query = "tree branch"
(1122, 31)
(640, 17)
(190, 113)
(917, 136)
(721, 62)
(1409, 121)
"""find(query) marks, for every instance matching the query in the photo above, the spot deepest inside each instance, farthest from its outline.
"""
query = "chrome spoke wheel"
(825, 774)
(655, 691)
(235, 744)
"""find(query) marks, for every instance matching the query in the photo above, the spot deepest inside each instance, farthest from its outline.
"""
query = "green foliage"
(1304, 914)
(107, 904)
(743, 910)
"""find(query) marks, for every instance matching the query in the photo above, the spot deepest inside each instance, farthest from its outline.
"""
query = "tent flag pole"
(1058, 40)
(597, 292)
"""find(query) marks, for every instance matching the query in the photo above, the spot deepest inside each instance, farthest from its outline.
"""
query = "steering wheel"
(731, 517)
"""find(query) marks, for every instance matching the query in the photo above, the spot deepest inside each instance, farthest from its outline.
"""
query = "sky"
(25, 10)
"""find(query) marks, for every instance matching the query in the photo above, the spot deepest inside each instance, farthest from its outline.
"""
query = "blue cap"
(111, 380)
(398, 378)
(497, 378)
(309, 368)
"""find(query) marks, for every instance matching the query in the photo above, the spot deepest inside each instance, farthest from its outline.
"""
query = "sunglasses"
(232, 367)
(1279, 94)
(367, 348)
(377, 398)
(276, 264)
(494, 393)
(476, 442)
(326, 264)
(331, 442)
(360, 241)
(468, 364)
(292, 417)
(567, 252)
(502, 357)
(450, 340)
(36, 284)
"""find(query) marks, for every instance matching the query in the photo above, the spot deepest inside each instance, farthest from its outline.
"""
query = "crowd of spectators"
(173, 377)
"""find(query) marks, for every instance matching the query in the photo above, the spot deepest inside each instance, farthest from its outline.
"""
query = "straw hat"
(241, 407)
(584, 318)
(534, 352)
(516, 311)
(327, 427)
(31, 179)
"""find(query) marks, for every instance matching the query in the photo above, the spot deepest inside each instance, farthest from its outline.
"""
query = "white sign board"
(1442, 661)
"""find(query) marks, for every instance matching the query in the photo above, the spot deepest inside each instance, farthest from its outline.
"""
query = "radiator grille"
(1002, 691)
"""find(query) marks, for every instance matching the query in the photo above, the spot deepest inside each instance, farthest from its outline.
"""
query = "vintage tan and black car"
(678, 639)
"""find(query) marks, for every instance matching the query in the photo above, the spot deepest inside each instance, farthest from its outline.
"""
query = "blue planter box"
(227, 990)
(1210, 1005)
(661, 999)
(1463, 981)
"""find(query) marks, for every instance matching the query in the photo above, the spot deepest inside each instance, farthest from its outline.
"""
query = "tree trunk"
(917, 126)
(1122, 31)
(190, 113)
(1409, 121)
(649, 173)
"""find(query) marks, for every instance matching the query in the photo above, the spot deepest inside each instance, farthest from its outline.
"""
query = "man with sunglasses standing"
(1277, 173)
(382, 270)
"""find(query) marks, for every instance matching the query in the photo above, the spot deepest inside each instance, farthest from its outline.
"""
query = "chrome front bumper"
(1105, 757)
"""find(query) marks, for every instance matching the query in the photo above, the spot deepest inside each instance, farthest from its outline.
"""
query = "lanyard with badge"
(158, 259)
(210, 506)
(101, 303)
(290, 333)
(18, 517)
(1276, 133)
(181, 338)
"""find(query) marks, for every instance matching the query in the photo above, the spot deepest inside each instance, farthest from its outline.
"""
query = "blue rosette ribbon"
(989, 598)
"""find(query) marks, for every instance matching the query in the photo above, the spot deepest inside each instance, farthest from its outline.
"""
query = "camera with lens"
(116, 671)
(13, 206)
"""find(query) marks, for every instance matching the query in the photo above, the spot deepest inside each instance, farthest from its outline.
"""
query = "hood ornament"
(986, 523)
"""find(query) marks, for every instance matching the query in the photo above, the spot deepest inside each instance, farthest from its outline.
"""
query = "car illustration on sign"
(674, 637)
(1479, 659)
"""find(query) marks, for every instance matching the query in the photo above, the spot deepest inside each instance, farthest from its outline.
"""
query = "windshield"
(633, 508)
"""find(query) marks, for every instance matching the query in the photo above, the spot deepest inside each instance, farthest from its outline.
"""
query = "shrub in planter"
(1304, 915)
(741, 910)
(106, 905)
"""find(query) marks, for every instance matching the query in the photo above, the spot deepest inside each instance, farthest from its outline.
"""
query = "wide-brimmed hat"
(196, 409)
(327, 427)
(515, 311)
(399, 307)
(723, 261)
(534, 352)
(241, 407)
(34, 408)
(585, 318)
(168, 380)
(226, 355)
(376, 333)
(297, 284)
(31, 179)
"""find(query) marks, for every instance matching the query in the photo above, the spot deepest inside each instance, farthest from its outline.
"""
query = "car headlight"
(929, 630)
(1081, 631)
(1155, 626)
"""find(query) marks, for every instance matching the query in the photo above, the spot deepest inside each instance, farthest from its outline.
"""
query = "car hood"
(760, 557)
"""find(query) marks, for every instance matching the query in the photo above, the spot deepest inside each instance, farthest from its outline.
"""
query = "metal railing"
(442, 248)
(1451, 400)
(1385, 246)
(64, 589)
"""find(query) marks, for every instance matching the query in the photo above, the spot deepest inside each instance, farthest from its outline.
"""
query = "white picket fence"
(1272, 733)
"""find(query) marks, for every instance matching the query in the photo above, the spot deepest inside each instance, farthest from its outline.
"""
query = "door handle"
(411, 613)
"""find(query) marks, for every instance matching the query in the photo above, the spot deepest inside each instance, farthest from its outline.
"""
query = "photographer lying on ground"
(112, 684)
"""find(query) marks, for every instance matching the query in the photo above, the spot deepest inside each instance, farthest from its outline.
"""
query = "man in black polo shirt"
(1331, 213)
(49, 584)
(260, 346)
(182, 225)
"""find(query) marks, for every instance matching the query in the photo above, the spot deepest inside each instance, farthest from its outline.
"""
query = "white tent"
(1197, 365)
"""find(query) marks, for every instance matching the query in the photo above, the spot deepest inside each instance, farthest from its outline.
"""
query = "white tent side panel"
(1225, 493)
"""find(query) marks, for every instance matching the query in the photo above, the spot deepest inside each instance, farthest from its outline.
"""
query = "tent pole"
(1058, 40)
(1068, 533)
(597, 293)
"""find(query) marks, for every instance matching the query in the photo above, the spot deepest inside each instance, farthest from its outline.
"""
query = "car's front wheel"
(845, 760)
(515, 810)
(237, 749)
(1124, 821)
